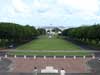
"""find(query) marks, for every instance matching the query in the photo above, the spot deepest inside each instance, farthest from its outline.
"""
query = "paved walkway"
(69, 64)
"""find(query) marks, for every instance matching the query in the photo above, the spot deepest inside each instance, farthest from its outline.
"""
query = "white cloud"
(86, 9)
(84, 5)
(56, 8)
(20, 6)
(20, 9)
(44, 11)
(40, 6)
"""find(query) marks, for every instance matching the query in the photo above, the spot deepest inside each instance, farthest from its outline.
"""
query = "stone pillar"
(44, 57)
(64, 57)
(14, 56)
(84, 57)
(54, 57)
(74, 57)
(34, 57)
(25, 56)
(62, 72)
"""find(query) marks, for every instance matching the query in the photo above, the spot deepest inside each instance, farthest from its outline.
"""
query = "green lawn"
(54, 44)
(49, 44)
(52, 53)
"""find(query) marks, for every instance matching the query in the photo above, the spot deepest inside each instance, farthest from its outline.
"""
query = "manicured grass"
(52, 53)
(58, 45)
(44, 43)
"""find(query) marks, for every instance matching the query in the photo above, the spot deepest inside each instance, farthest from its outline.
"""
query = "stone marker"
(84, 57)
(14, 56)
(25, 57)
(74, 57)
(44, 57)
(34, 57)
(54, 57)
(64, 57)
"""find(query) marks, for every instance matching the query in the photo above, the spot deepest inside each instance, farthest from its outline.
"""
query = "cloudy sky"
(45, 12)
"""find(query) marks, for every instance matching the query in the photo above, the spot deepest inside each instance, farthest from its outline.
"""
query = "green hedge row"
(84, 33)
(16, 34)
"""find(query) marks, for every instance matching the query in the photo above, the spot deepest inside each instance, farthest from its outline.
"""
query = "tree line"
(15, 34)
(88, 34)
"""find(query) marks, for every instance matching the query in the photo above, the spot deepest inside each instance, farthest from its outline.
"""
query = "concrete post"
(14, 56)
(25, 57)
(74, 57)
(44, 57)
(54, 57)
(84, 57)
(64, 57)
(34, 57)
